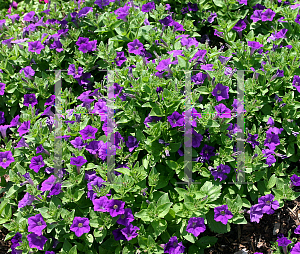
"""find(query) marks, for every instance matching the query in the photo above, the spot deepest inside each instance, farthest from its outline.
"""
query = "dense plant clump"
(124, 68)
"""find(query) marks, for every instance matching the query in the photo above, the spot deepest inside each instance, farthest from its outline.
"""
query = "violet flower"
(222, 214)
(80, 226)
(36, 241)
(196, 226)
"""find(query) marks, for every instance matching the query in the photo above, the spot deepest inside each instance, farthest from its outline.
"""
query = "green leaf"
(219, 3)
(73, 250)
(163, 199)
(156, 111)
(125, 171)
(162, 210)
(172, 164)
(123, 119)
(206, 241)
(182, 62)
(159, 226)
(272, 181)
(143, 214)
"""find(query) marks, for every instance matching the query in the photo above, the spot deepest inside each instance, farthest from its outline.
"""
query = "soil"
(258, 237)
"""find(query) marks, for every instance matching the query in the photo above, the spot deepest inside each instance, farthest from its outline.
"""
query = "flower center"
(174, 244)
(40, 163)
(122, 216)
(38, 238)
(174, 121)
(4, 160)
(223, 212)
(269, 16)
(136, 47)
(30, 99)
(80, 225)
(219, 92)
(115, 206)
(39, 223)
(118, 59)
(194, 224)
(206, 151)
(269, 140)
(268, 202)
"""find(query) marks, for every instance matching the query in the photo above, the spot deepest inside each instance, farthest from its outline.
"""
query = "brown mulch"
(257, 237)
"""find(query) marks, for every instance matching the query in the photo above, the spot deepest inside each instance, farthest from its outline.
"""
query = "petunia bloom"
(196, 226)
(37, 163)
(6, 159)
(36, 224)
(80, 226)
(35, 46)
(88, 132)
(222, 214)
(36, 241)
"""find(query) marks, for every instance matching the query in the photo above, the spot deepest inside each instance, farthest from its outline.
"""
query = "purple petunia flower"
(196, 139)
(267, 204)
(252, 140)
(167, 21)
(151, 119)
(120, 59)
(296, 83)
(135, 47)
(28, 71)
(24, 128)
(223, 111)
(207, 152)
(222, 214)
(176, 119)
(283, 242)
(2, 88)
(30, 99)
(122, 12)
(36, 241)
(102, 3)
(196, 226)
(101, 203)
(35, 46)
(29, 16)
(199, 78)
(36, 224)
(220, 172)
(132, 143)
(212, 17)
(254, 46)
(6, 159)
(115, 207)
(272, 140)
(295, 180)
(192, 7)
(220, 92)
(88, 132)
(48, 184)
(148, 7)
(130, 232)
(173, 247)
(268, 15)
(80, 226)
(126, 218)
(295, 249)
(256, 213)
(240, 26)
(84, 11)
(37, 163)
